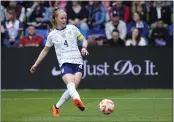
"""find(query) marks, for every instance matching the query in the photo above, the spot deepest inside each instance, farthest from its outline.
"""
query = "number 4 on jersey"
(65, 43)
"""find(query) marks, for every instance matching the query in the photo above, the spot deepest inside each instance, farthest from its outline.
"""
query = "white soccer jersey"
(65, 43)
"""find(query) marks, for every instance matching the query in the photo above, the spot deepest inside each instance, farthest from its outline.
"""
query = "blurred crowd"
(103, 23)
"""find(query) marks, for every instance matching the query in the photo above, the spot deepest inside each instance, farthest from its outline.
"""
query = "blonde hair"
(55, 13)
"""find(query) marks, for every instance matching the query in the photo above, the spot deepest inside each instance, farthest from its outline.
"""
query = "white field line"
(119, 98)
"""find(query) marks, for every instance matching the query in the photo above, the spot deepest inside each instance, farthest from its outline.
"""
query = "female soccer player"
(64, 38)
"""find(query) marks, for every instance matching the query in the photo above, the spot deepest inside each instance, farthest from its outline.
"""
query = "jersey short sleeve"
(49, 42)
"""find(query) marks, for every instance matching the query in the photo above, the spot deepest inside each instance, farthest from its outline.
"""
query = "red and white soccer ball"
(106, 106)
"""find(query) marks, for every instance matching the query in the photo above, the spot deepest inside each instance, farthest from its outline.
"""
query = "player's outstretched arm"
(42, 55)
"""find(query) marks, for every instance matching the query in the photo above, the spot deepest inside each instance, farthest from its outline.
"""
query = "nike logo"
(55, 72)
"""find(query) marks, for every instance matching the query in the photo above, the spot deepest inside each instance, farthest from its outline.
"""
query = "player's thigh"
(78, 77)
(68, 78)
(67, 73)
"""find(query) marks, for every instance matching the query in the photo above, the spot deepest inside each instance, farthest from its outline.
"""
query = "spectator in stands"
(3, 19)
(107, 7)
(32, 40)
(160, 34)
(13, 28)
(170, 5)
(138, 23)
(115, 40)
(78, 15)
(37, 16)
(115, 23)
(99, 41)
(20, 10)
(96, 15)
(149, 5)
(92, 40)
(158, 11)
(96, 40)
(123, 10)
(60, 4)
(139, 6)
(2, 14)
(136, 39)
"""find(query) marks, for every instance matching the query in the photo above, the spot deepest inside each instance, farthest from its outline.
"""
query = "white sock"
(65, 96)
(72, 91)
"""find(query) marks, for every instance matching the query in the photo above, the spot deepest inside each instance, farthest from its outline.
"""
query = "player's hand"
(84, 51)
(33, 69)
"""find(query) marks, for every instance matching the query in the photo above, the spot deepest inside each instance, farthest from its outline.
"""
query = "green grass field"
(131, 105)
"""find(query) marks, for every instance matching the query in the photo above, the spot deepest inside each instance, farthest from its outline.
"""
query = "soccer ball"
(106, 106)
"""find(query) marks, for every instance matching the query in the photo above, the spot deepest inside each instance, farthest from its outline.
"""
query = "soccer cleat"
(79, 104)
(55, 110)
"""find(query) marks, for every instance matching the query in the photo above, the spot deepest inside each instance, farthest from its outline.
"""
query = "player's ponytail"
(54, 14)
